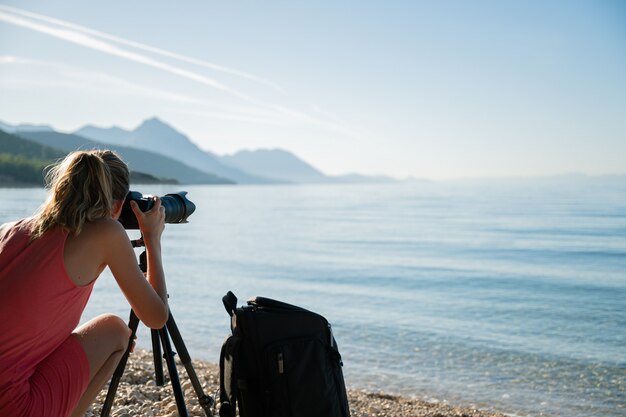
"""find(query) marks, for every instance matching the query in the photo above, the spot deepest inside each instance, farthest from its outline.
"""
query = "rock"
(138, 395)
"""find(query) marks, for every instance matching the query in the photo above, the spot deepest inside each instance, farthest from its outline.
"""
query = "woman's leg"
(104, 340)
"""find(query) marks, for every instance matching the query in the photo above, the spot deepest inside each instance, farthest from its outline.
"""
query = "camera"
(177, 208)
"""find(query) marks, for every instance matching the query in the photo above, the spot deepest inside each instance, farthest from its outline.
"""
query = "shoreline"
(138, 395)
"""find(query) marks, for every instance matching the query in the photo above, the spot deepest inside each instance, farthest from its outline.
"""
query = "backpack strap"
(263, 302)
(228, 377)
(228, 362)
(230, 303)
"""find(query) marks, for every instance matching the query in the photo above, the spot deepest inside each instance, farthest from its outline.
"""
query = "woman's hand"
(152, 222)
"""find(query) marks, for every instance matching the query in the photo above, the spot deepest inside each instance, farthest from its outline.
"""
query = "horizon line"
(396, 178)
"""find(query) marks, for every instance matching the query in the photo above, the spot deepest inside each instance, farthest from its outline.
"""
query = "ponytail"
(82, 189)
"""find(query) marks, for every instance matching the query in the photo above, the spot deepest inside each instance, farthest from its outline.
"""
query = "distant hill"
(24, 128)
(16, 145)
(114, 135)
(159, 137)
(17, 171)
(22, 162)
(260, 166)
(142, 178)
(138, 160)
(283, 165)
(275, 163)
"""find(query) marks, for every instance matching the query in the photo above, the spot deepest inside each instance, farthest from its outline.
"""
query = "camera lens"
(177, 208)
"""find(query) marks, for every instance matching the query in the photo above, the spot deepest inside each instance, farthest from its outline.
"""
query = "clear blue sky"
(437, 89)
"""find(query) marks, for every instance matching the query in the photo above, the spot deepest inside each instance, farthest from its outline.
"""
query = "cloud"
(101, 83)
(98, 41)
(92, 43)
(141, 46)
(8, 59)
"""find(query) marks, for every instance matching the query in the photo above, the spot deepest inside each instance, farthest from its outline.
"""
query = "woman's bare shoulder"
(106, 228)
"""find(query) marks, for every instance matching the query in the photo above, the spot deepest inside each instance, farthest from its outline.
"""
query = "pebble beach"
(138, 395)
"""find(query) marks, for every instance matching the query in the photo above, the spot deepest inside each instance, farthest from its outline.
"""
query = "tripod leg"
(158, 360)
(133, 322)
(206, 402)
(173, 372)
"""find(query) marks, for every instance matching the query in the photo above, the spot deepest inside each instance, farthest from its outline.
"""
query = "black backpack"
(280, 361)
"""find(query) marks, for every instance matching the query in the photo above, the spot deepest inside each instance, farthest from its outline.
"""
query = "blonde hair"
(82, 188)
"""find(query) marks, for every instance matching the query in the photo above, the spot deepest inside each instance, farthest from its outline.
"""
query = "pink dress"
(43, 370)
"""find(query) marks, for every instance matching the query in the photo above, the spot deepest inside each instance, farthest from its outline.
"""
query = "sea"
(505, 295)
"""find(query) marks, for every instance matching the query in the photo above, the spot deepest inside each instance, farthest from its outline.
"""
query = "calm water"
(505, 296)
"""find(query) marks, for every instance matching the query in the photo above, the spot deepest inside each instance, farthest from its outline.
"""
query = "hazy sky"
(436, 89)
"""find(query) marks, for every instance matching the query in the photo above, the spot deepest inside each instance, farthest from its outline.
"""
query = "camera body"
(177, 208)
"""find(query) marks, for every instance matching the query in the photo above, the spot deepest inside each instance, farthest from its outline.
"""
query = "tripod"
(160, 337)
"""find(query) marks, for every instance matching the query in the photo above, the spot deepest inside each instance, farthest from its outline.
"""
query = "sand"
(138, 395)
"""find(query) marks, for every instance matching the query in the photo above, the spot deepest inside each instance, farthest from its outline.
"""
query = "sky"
(425, 89)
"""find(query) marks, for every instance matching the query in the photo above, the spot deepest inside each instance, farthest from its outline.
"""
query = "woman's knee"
(108, 329)
(102, 338)
(117, 327)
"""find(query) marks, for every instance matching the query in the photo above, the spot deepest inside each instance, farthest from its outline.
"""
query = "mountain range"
(156, 148)
(156, 152)
(147, 162)
(246, 166)
(161, 138)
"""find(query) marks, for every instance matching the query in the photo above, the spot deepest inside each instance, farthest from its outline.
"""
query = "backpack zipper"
(281, 363)
(333, 344)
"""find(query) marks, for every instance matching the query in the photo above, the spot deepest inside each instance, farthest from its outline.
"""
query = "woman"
(48, 266)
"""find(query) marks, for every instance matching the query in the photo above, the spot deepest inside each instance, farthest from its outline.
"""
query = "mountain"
(18, 146)
(275, 163)
(114, 135)
(6, 127)
(262, 166)
(22, 162)
(147, 162)
(137, 178)
(159, 137)
(285, 166)
(24, 128)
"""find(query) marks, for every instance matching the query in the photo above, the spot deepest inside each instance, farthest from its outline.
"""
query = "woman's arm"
(148, 298)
